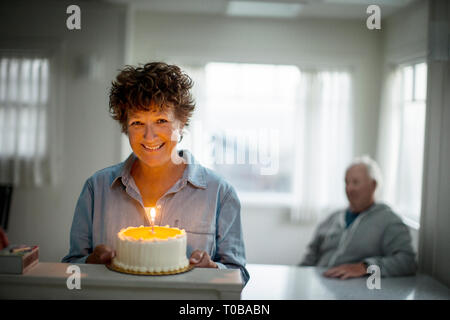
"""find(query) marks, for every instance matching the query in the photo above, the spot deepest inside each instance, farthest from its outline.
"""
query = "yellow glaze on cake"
(145, 233)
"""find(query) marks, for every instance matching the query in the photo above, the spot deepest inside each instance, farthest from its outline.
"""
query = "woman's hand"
(201, 259)
(102, 255)
(346, 271)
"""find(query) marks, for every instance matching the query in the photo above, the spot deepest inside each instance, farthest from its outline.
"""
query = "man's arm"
(312, 255)
(398, 258)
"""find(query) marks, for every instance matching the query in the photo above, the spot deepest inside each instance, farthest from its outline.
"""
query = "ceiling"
(294, 9)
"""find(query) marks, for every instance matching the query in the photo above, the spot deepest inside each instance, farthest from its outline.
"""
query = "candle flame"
(152, 214)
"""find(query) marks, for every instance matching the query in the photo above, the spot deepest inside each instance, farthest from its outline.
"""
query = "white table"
(49, 281)
(267, 282)
(277, 282)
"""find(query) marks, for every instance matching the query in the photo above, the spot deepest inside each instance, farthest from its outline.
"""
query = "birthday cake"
(143, 250)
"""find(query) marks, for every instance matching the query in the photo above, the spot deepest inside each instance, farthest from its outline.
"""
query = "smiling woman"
(153, 135)
(153, 104)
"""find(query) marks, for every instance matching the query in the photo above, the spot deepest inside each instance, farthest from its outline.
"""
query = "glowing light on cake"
(151, 214)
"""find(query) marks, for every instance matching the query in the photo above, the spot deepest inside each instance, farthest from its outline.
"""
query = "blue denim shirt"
(201, 202)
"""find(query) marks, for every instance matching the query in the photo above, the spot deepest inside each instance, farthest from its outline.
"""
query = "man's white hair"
(373, 170)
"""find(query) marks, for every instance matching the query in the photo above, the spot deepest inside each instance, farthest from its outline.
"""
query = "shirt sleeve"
(398, 258)
(230, 250)
(312, 256)
(81, 230)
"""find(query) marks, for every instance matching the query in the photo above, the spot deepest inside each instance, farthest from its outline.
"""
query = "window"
(411, 147)
(249, 119)
(24, 107)
(24, 87)
(270, 130)
(401, 140)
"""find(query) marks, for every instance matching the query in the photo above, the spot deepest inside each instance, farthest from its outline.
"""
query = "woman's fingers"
(196, 257)
(107, 256)
(205, 261)
(201, 259)
(102, 254)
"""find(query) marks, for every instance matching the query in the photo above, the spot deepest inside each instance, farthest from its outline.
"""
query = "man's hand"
(102, 255)
(346, 271)
(201, 259)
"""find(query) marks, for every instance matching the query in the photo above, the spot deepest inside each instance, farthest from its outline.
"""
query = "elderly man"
(366, 233)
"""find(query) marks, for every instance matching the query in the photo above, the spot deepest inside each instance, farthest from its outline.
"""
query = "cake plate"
(113, 267)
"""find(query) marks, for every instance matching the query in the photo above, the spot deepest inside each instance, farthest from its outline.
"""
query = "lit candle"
(151, 214)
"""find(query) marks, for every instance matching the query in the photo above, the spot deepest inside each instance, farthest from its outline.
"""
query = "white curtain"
(324, 145)
(389, 136)
(26, 142)
(401, 139)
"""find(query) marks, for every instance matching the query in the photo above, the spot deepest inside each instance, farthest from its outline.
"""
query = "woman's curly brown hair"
(156, 86)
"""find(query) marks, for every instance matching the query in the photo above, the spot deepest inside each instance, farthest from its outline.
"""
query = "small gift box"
(18, 259)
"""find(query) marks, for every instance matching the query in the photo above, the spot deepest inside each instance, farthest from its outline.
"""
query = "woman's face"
(153, 135)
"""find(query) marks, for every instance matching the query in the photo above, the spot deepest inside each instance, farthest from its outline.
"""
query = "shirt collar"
(194, 172)
(123, 171)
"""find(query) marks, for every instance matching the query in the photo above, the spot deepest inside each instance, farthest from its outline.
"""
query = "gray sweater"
(377, 236)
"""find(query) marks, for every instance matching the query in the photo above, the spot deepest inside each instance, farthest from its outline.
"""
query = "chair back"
(5, 204)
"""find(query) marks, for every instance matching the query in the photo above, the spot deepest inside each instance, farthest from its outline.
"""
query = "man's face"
(359, 187)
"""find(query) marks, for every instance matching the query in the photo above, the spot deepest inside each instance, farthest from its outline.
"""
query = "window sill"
(411, 223)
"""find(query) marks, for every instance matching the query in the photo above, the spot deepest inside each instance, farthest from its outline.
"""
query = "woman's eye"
(161, 121)
(136, 123)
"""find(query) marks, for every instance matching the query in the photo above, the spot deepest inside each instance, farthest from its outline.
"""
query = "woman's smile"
(149, 148)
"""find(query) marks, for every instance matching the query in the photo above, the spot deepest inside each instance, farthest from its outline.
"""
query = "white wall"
(196, 39)
(43, 216)
(405, 34)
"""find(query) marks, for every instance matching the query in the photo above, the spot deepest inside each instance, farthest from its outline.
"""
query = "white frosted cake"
(143, 251)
